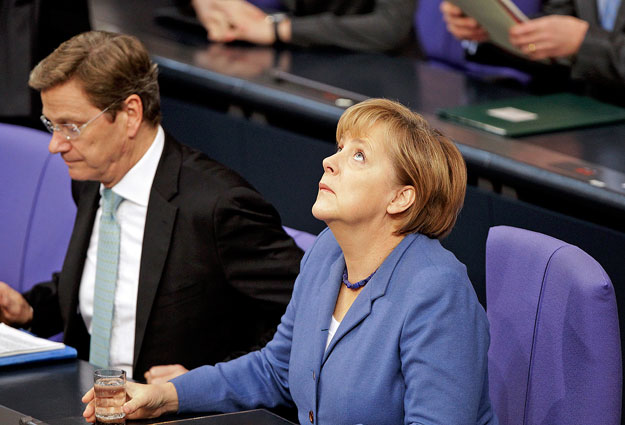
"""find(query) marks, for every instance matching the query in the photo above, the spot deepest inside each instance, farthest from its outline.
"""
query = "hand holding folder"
(544, 39)
(495, 16)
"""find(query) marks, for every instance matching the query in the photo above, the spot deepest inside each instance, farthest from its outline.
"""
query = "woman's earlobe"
(404, 198)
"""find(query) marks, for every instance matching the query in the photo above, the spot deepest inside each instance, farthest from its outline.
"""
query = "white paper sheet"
(13, 341)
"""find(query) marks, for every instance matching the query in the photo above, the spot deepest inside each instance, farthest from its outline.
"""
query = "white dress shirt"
(135, 188)
(334, 325)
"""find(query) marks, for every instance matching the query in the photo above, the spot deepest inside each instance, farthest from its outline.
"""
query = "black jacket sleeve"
(385, 26)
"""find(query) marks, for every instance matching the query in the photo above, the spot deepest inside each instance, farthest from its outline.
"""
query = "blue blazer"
(412, 349)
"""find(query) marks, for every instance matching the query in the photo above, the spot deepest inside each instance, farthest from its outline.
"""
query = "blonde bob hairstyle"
(109, 66)
(422, 157)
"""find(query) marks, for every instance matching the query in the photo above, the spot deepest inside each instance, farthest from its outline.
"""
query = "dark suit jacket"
(217, 269)
(366, 25)
(601, 56)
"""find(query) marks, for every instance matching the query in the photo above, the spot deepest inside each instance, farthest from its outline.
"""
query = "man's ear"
(134, 110)
(404, 198)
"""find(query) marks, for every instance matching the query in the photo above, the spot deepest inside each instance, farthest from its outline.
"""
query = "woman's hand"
(144, 401)
(163, 373)
(553, 36)
(460, 25)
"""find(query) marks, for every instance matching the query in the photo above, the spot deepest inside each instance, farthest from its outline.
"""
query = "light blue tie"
(105, 280)
(607, 12)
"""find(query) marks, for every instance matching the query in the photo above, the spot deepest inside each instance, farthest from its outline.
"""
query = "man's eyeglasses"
(70, 131)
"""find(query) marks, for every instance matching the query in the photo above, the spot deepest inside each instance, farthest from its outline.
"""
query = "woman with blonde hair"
(384, 326)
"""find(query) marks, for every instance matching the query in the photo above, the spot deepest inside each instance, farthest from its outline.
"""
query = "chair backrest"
(303, 239)
(36, 208)
(442, 48)
(555, 354)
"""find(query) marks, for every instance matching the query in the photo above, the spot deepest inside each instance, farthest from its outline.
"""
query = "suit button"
(311, 417)
(313, 375)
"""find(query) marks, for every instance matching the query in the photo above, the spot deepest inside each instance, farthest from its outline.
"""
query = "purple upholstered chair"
(303, 239)
(555, 354)
(36, 207)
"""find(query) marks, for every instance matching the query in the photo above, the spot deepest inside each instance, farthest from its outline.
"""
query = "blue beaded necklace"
(359, 284)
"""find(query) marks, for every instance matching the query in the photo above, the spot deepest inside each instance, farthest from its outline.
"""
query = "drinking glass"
(110, 395)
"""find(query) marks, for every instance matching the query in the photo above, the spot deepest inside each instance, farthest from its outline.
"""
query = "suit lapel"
(619, 22)
(326, 300)
(77, 250)
(360, 309)
(159, 226)
(588, 10)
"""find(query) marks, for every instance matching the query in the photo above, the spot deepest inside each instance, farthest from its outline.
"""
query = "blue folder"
(61, 353)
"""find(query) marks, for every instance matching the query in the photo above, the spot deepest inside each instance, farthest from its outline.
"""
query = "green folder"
(521, 116)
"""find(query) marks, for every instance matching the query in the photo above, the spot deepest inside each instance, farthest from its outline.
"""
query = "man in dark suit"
(204, 268)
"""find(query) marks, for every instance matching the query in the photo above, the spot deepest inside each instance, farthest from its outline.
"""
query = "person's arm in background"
(384, 28)
(596, 54)
(558, 45)
(558, 33)
(600, 55)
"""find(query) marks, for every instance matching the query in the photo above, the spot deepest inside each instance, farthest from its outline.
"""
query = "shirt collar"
(136, 185)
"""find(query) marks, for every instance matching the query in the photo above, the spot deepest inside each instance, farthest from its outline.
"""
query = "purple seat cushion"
(555, 355)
